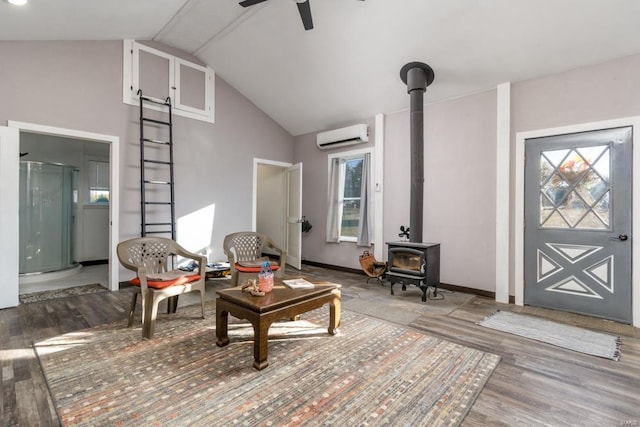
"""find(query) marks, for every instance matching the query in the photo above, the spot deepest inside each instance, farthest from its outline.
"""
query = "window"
(349, 215)
(98, 179)
(160, 75)
(351, 169)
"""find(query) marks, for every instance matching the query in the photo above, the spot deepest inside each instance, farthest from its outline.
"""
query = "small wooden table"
(281, 303)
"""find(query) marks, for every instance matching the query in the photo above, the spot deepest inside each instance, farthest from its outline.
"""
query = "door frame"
(254, 208)
(114, 176)
(518, 223)
(9, 213)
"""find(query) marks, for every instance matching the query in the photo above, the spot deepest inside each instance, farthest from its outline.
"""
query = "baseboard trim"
(447, 286)
(334, 267)
(94, 262)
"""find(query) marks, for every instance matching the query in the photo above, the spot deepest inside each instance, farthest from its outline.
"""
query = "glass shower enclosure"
(48, 209)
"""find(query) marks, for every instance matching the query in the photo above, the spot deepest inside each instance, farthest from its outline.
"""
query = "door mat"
(61, 293)
(558, 334)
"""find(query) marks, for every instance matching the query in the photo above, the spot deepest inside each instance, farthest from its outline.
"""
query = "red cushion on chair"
(243, 269)
(166, 283)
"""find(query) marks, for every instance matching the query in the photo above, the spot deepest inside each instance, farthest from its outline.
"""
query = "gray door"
(578, 223)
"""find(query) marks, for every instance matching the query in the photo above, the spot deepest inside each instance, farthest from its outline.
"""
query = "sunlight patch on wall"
(195, 230)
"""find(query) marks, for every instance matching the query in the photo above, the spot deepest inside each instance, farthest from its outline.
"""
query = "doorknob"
(622, 237)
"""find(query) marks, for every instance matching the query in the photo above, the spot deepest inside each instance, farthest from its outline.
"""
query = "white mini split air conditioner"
(350, 135)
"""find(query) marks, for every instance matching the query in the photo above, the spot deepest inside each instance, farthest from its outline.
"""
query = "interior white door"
(9, 212)
(294, 216)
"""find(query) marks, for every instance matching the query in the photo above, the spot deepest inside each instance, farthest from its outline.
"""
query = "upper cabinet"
(160, 75)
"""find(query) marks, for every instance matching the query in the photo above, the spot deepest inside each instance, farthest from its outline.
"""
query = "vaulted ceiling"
(347, 68)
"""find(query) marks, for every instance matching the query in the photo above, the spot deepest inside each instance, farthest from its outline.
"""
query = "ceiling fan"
(303, 7)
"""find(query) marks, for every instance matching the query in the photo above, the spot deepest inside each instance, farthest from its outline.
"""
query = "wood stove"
(413, 263)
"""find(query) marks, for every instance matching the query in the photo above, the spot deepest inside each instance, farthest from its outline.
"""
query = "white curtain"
(333, 204)
(365, 224)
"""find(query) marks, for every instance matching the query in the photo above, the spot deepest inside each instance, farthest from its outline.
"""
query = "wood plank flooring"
(534, 384)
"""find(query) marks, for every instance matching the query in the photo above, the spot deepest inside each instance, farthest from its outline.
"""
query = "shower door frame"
(114, 197)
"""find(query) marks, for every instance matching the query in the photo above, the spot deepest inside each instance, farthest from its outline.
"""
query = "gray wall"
(460, 164)
(601, 92)
(78, 85)
(314, 200)
(459, 187)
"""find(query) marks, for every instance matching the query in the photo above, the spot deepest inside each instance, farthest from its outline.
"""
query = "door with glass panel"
(578, 223)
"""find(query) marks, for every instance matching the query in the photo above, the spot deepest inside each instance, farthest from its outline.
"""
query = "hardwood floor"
(534, 384)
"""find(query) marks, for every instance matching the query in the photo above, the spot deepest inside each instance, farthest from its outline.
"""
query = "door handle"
(622, 237)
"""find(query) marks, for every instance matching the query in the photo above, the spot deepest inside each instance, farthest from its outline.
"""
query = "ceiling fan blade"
(305, 14)
(247, 3)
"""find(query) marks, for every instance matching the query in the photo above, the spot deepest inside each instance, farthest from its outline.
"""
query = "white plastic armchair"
(151, 259)
(244, 250)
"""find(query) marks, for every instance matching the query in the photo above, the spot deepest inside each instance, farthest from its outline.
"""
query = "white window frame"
(347, 155)
(131, 82)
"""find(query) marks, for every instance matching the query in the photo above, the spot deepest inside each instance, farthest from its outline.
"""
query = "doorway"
(578, 221)
(100, 146)
(519, 212)
(277, 205)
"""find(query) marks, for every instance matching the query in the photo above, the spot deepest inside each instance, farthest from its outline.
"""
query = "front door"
(578, 223)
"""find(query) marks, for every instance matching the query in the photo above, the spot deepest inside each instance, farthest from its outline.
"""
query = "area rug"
(61, 293)
(371, 373)
(558, 334)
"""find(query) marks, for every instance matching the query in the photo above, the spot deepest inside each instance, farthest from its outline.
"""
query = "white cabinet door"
(191, 87)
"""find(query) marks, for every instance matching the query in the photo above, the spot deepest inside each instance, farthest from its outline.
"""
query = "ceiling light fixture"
(18, 2)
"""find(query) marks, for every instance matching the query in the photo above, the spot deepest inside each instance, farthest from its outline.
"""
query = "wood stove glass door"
(578, 222)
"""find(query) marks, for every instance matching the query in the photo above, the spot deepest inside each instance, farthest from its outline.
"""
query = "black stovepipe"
(417, 76)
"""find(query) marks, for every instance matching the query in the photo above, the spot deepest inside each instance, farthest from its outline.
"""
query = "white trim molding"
(503, 143)
(114, 196)
(9, 214)
(378, 189)
(518, 228)
(254, 195)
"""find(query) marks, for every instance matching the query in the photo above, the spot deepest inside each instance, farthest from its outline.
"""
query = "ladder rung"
(158, 203)
(158, 232)
(157, 223)
(158, 182)
(144, 98)
(156, 141)
(160, 162)
(160, 122)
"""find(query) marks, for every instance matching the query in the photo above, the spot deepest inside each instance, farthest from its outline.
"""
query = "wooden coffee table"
(281, 303)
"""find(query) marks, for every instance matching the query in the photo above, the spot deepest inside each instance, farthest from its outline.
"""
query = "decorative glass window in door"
(575, 188)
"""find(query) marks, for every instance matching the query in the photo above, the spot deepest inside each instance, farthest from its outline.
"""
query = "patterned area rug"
(371, 373)
(558, 334)
(61, 293)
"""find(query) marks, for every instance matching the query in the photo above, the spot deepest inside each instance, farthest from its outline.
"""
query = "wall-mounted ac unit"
(350, 135)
